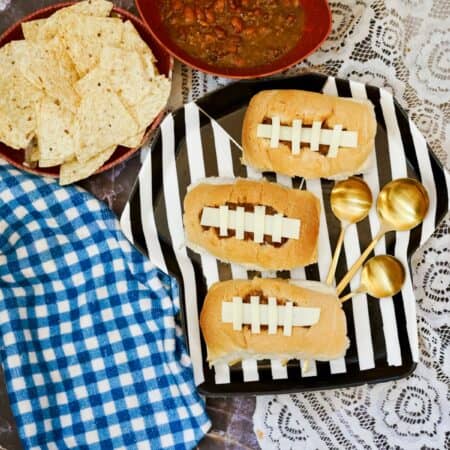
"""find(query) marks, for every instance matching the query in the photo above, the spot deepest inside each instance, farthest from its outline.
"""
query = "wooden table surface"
(232, 426)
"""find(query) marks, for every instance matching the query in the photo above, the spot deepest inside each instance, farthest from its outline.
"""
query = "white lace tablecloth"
(404, 46)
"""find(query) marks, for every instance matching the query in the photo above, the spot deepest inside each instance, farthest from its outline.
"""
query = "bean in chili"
(234, 33)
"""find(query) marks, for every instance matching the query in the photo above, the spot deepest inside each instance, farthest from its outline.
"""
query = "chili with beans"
(234, 33)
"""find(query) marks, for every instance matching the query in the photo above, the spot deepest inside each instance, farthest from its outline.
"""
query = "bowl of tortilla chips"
(82, 85)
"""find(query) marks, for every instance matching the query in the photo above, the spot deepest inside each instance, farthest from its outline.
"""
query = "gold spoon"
(401, 205)
(350, 201)
(382, 276)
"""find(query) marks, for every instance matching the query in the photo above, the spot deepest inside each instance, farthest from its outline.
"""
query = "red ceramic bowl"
(317, 27)
(164, 64)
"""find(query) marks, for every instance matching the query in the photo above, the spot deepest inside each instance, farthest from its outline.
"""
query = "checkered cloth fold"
(92, 355)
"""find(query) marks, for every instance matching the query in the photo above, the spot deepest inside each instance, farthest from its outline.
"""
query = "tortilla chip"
(57, 46)
(60, 119)
(133, 141)
(84, 38)
(45, 29)
(153, 102)
(32, 152)
(47, 72)
(54, 132)
(103, 122)
(31, 29)
(18, 98)
(144, 112)
(74, 170)
(131, 40)
(13, 56)
(126, 80)
(125, 72)
(98, 8)
(92, 82)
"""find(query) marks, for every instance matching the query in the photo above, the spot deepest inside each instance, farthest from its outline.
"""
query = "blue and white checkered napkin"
(92, 356)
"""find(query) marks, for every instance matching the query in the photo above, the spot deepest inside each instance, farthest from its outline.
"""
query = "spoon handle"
(337, 252)
(360, 261)
(348, 296)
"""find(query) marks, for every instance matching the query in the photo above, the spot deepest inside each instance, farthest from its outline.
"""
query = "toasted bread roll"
(305, 108)
(297, 211)
(323, 341)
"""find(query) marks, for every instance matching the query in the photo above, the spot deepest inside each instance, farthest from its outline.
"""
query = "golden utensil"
(401, 205)
(350, 202)
(381, 276)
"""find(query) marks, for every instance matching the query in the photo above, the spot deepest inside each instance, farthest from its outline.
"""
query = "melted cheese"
(296, 137)
(335, 140)
(237, 313)
(315, 135)
(287, 329)
(257, 222)
(277, 227)
(240, 222)
(273, 315)
(255, 312)
(223, 220)
(275, 136)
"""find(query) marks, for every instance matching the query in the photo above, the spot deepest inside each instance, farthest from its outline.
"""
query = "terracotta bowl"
(164, 64)
(317, 27)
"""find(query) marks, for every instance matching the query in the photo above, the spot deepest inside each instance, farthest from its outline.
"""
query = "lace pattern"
(4, 4)
(403, 46)
(412, 413)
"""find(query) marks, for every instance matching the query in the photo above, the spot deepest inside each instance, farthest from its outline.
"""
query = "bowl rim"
(270, 70)
(127, 15)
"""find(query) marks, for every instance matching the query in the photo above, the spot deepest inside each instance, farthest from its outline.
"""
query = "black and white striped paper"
(192, 146)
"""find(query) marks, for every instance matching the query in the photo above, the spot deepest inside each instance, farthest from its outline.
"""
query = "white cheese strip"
(275, 137)
(296, 136)
(237, 313)
(315, 135)
(299, 316)
(335, 141)
(272, 315)
(287, 228)
(348, 138)
(223, 220)
(255, 325)
(259, 222)
(240, 222)
(290, 228)
(277, 227)
(287, 330)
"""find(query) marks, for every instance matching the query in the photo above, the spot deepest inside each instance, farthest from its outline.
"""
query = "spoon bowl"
(350, 202)
(402, 204)
(382, 276)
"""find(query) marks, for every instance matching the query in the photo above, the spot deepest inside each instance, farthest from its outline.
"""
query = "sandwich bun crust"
(292, 203)
(289, 105)
(323, 341)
